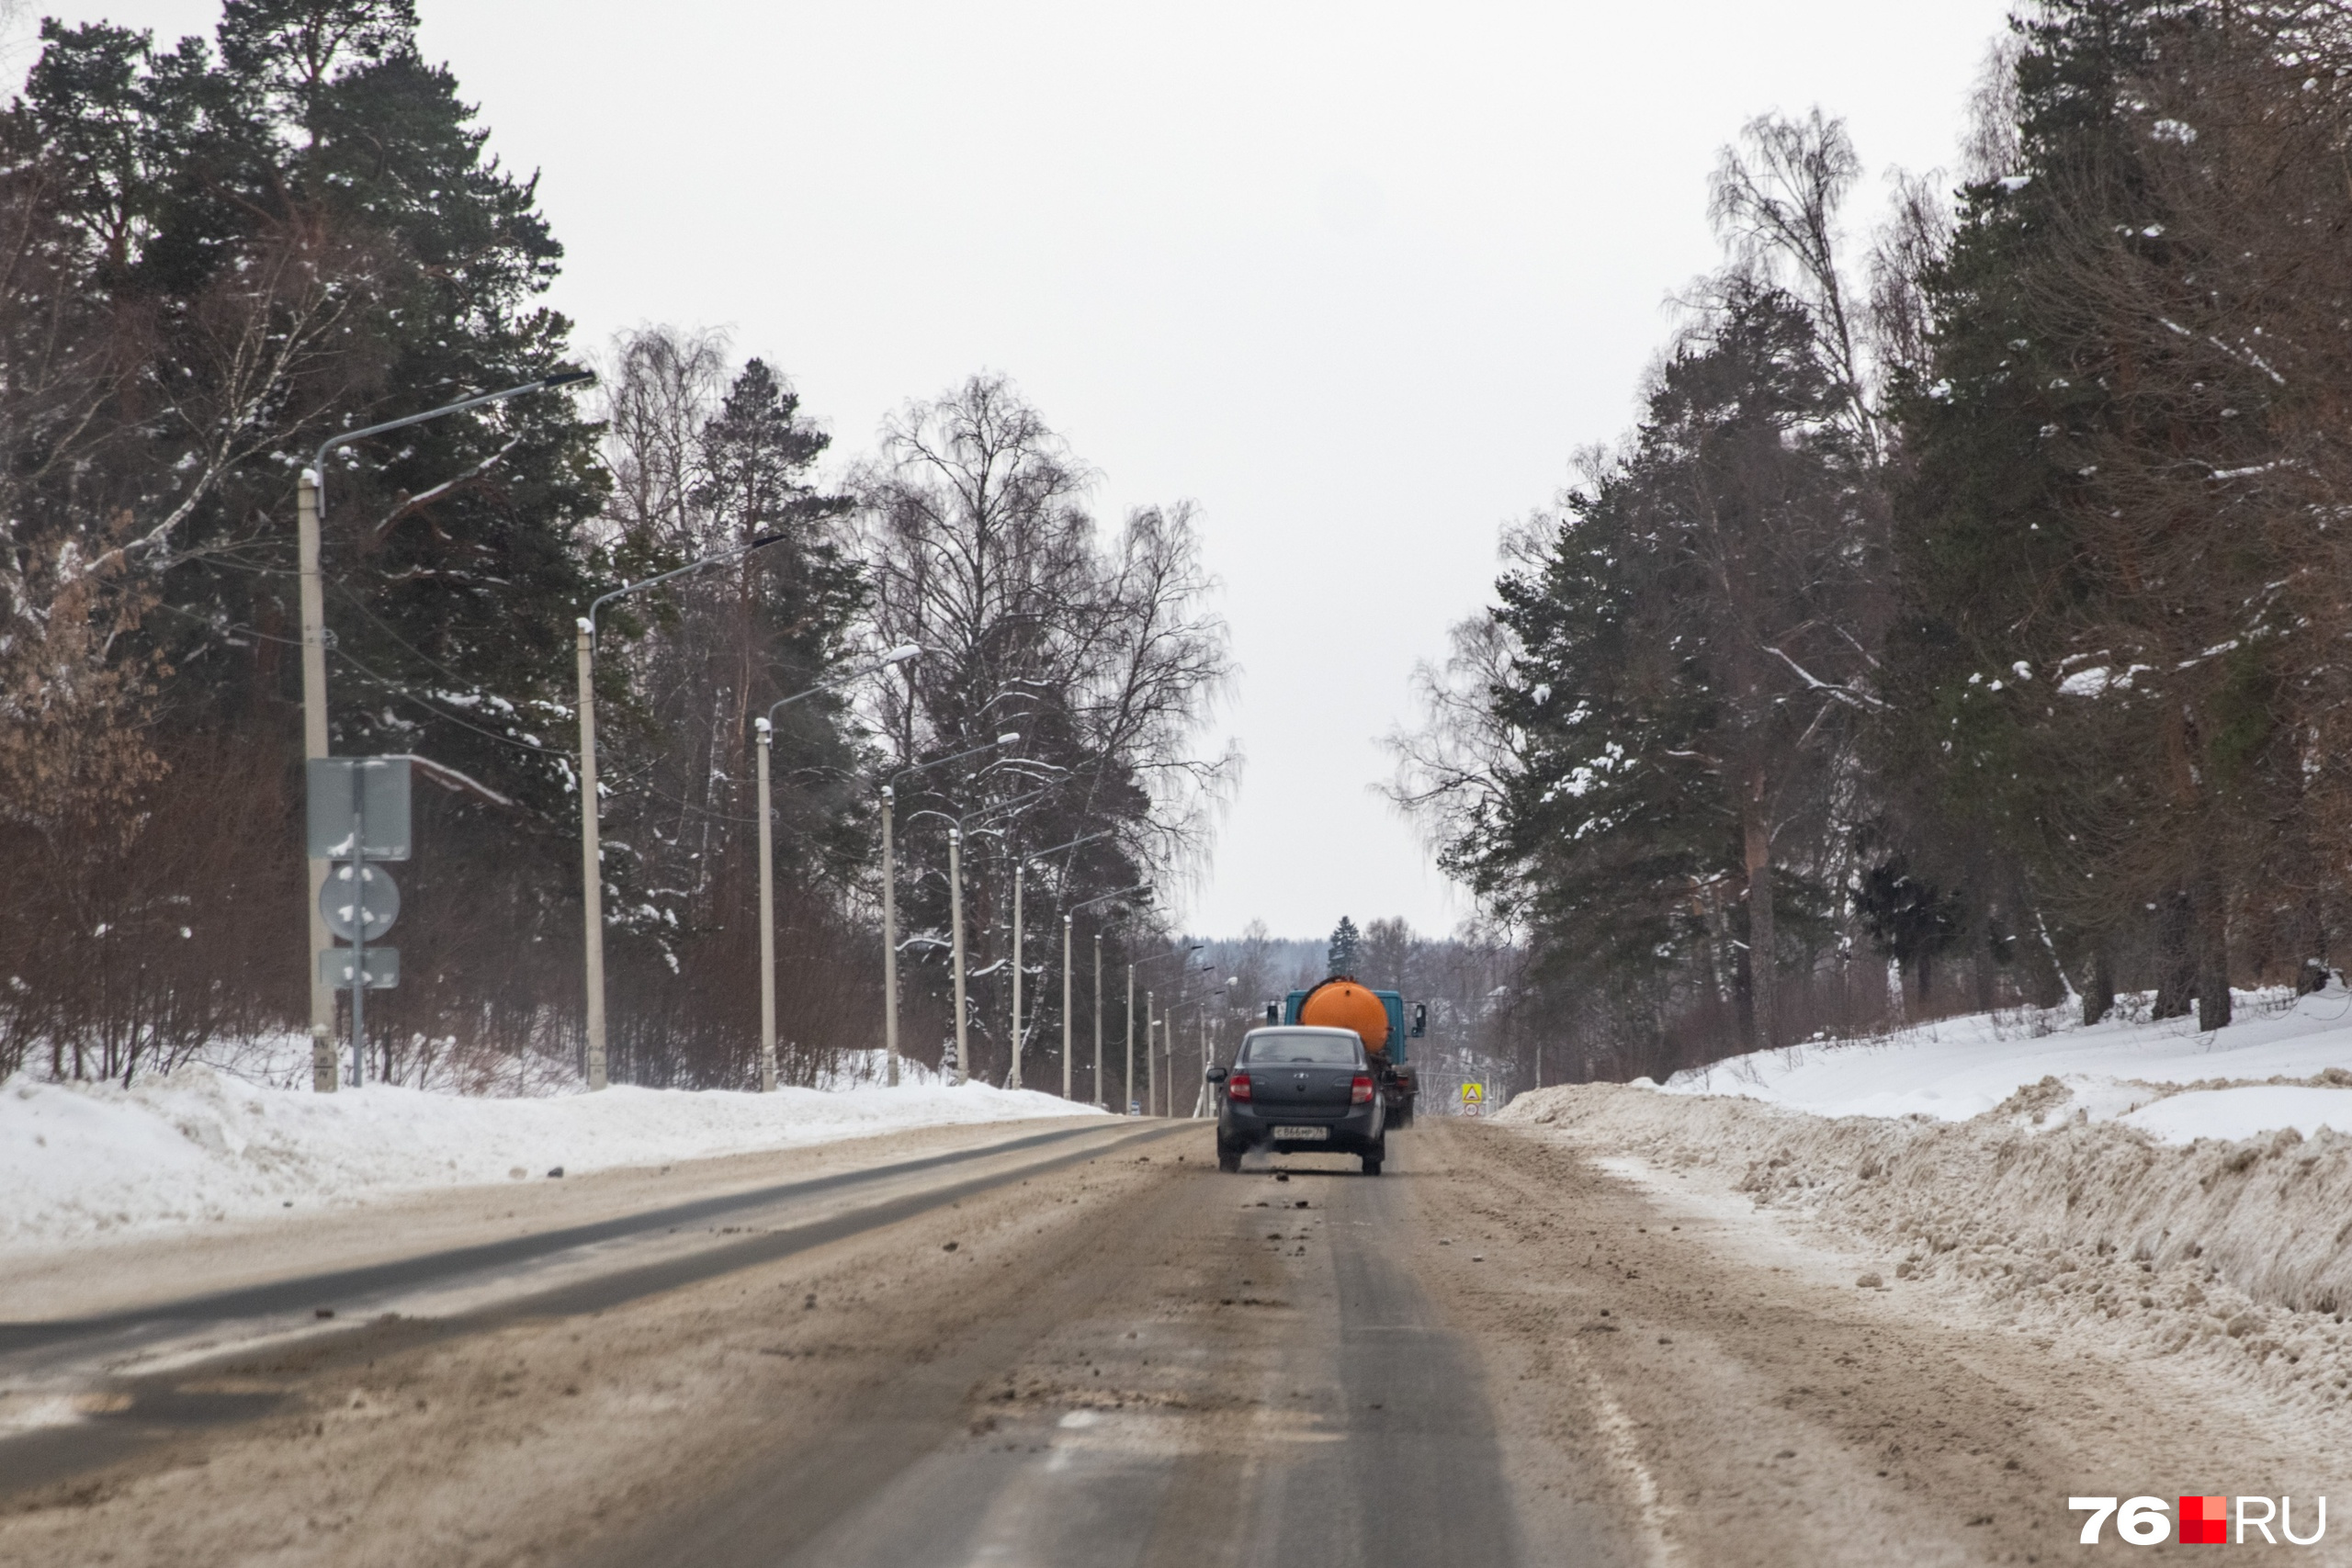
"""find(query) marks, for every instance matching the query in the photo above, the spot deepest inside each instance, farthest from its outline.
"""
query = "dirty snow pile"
(2183, 1192)
(80, 1161)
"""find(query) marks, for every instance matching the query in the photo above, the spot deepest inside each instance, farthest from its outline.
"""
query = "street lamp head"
(1010, 738)
(899, 655)
(565, 379)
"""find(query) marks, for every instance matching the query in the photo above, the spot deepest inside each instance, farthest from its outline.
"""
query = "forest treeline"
(217, 254)
(1963, 622)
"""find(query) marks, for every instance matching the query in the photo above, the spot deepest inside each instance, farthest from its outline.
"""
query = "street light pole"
(1202, 1102)
(1066, 1049)
(592, 853)
(309, 507)
(1152, 1095)
(890, 889)
(767, 922)
(1019, 866)
(956, 917)
(765, 726)
(1013, 1074)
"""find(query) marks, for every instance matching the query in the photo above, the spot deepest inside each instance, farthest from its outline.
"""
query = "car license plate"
(1302, 1133)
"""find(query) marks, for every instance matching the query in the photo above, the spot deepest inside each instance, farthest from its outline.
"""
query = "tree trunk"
(1743, 982)
(1762, 947)
(2045, 982)
(2175, 968)
(1920, 975)
(2099, 994)
(2212, 941)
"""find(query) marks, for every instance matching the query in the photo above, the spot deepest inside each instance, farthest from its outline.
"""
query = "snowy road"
(1500, 1352)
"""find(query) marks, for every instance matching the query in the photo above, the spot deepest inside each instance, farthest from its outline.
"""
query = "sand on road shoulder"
(530, 1441)
(1750, 1404)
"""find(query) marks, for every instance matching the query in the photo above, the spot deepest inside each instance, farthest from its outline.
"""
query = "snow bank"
(2277, 1067)
(79, 1160)
(2233, 1250)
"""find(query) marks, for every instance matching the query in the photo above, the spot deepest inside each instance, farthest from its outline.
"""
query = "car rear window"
(1321, 1050)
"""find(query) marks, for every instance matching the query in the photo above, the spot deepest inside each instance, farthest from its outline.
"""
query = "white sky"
(1355, 277)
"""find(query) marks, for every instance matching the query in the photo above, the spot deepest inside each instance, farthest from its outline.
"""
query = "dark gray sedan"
(1300, 1091)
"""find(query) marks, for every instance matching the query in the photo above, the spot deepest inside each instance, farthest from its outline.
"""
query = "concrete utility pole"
(767, 919)
(956, 915)
(1204, 1059)
(889, 938)
(765, 729)
(1151, 1068)
(310, 508)
(891, 890)
(1012, 1076)
(1067, 1048)
(1128, 1086)
(592, 854)
(1021, 863)
(314, 745)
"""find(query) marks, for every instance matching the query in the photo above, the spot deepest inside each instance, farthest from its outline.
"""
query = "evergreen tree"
(292, 231)
(2092, 660)
(1345, 952)
(1681, 687)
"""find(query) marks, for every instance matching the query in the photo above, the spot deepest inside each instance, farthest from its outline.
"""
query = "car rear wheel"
(1228, 1160)
(1372, 1165)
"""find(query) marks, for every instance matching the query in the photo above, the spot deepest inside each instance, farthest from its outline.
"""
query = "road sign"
(1474, 1096)
(373, 899)
(335, 968)
(372, 789)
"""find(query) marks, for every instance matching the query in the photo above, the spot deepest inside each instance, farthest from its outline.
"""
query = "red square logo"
(2205, 1520)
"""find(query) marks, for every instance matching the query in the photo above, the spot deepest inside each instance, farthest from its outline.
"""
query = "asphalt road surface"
(1077, 1344)
(1246, 1374)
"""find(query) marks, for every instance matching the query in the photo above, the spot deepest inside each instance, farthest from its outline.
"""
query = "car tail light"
(1237, 1086)
(1359, 1091)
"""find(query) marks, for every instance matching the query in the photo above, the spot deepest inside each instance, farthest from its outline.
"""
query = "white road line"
(1617, 1429)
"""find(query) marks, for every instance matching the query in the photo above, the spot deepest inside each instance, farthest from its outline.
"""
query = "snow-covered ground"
(82, 1160)
(2165, 1078)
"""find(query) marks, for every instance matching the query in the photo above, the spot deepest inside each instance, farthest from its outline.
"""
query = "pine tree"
(2066, 719)
(1346, 949)
(1682, 688)
(293, 231)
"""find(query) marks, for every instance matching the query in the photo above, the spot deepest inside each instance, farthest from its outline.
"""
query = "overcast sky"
(1356, 278)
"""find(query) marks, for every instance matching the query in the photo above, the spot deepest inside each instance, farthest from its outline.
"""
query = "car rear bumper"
(1244, 1126)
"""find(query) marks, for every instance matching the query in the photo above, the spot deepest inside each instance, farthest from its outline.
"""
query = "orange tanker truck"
(1378, 1019)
